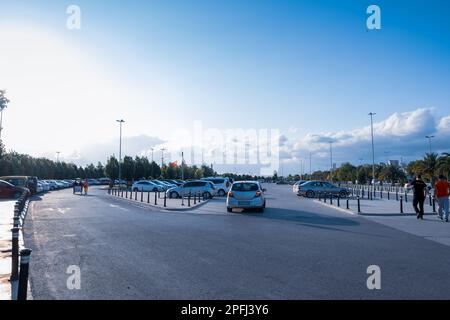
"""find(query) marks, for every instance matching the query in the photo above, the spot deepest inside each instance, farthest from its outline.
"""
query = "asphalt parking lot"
(296, 249)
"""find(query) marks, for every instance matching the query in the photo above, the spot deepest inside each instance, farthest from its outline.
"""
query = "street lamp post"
(182, 165)
(429, 141)
(331, 160)
(121, 121)
(57, 155)
(371, 114)
(152, 149)
(162, 157)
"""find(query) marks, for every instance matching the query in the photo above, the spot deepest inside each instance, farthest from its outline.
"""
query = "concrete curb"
(145, 204)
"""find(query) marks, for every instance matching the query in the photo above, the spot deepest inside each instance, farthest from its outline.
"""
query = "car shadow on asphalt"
(309, 219)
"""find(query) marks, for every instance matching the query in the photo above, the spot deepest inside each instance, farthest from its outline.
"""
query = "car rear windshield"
(217, 181)
(245, 187)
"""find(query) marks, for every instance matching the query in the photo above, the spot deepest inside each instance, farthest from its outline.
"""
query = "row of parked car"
(11, 187)
(175, 188)
(313, 188)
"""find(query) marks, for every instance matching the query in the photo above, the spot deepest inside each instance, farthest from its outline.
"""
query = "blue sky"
(304, 67)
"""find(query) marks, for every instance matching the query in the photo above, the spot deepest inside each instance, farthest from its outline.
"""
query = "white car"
(45, 185)
(147, 186)
(222, 184)
(246, 195)
(196, 187)
(295, 186)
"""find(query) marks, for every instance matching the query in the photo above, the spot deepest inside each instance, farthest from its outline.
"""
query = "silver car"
(312, 189)
(246, 195)
(205, 188)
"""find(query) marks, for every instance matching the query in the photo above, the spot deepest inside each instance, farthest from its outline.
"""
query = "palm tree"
(3, 104)
(430, 162)
(443, 164)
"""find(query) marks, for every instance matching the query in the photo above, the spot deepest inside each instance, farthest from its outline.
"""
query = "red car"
(9, 191)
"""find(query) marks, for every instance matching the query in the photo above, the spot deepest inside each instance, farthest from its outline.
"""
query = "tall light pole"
(331, 160)
(121, 121)
(162, 157)
(371, 114)
(429, 141)
(182, 165)
(152, 149)
(57, 155)
(310, 167)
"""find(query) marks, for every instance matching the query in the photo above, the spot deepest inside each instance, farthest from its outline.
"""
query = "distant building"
(394, 163)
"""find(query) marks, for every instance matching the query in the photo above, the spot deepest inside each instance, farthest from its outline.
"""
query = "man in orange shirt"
(441, 193)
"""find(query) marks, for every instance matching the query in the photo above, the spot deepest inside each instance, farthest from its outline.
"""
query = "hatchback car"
(296, 185)
(146, 186)
(222, 184)
(205, 188)
(312, 189)
(246, 195)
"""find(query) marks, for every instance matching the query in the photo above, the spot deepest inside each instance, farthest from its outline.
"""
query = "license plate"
(244, 203)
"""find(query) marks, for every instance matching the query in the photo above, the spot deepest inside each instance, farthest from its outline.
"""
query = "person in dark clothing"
(420, 189)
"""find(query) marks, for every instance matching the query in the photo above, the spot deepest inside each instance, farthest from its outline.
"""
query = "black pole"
(406, 196)
(142, 195)
(396, 195)
(23, 275)
(189, 199)
(401, 204)
(165, 198)
(389, 195)
(148, 197)
(359, 205)
(429, 197)
(339, 201)
(156, 201)
(434, 204)
(348, 207)
(195, 199)
(15, 254)
(331, 198)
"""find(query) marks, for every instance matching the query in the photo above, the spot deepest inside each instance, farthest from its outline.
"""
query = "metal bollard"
(199, 197)
(434, 204)
(319, 196)
(148, 197)
(156, 199)
(195, 199)
(23, 275)
(182, 200)
(401, 204)
(429, 197)
(324, 198)
(142, 195)
(121, 193)
(389, 195)
(331, 198)
(165, 198)
(396, 195)
(362, 193)
(359, 205)
(381, 194)
(189, 199)
(159, 195)
(126, 193)
(348, 207)
(15, 254)
(406, 196)
(338, 201)
(135, 195)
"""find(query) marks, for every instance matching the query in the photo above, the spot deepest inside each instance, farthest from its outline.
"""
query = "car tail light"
(230, 194)
(258, 194)
(227, 184)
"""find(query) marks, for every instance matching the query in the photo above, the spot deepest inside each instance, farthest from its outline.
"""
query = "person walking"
(86, 186)
(420, 190)
(441, 193)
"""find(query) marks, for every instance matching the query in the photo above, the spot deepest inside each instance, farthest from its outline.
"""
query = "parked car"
(295, 185)
(173, 182)
(312, 189)
(104, 181)
(22, 181)
(10, 191)
(146, 186)
(246, 195)
(45, 185)
(205, 188)
(222, 184)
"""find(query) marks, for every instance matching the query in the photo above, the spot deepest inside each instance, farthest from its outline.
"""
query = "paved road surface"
(297, 249)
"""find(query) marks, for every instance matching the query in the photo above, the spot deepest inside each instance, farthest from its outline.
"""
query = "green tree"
(112, 168)
(443, 164)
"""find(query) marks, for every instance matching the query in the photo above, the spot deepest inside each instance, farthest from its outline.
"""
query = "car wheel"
(174, 195)
(206, 195)
(343, 194)
(221, 193)
(229, 209)
(310, 194)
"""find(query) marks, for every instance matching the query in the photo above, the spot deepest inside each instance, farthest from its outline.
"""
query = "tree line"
(13, 163)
